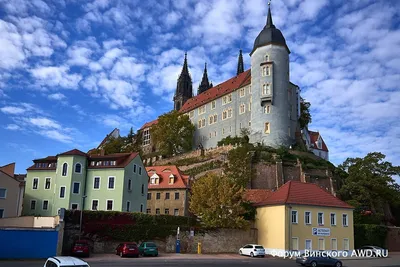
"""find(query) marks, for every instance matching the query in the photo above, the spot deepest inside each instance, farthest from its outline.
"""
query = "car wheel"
(262, 256)
(251, 254)
(338, 264)
(122, 255)
(314, 264)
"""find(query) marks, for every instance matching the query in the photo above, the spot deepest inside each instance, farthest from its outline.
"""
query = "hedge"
(370, 234)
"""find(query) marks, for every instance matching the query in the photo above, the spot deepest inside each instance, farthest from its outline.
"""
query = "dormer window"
(155, 179)
(171, 179)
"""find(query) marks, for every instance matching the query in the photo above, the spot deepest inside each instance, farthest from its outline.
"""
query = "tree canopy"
(173, 134)
(218, 202)
(305, 115)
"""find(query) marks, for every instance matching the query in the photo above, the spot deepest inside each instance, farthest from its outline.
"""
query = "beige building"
(11, 191)
(168, 191)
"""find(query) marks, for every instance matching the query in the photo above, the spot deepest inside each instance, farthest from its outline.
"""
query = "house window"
(307, 217)
(223, 130)
(249, 106)
(191, 114)
(111, 181)
(230, 112)
(266, 128)
(333, 244)
(110, 204)
(212, 119)
(249, 123)
(321, 244)
(294, 216)
(47, 183)
(267, 109)
(295, 243)
(266, 89)
(202, 110)
(140, 170)
(166, 195)
(158, 196)
(96, 184)
(148, 196)
(166, 211)
(224, 114)
(33, 204)
(141, 207)
(346, 244)
(78, 168)
(227, 99)
(242, 92)
(266, 58)
(128, 206)
(146, 137)
(201, 123)
(65, 169)
(35, 183)
(95, 204)
(176, 212)
(308, 244)
(320, 218)
(345, 220)
(3, 193)
(176, 195)
(1, 213)
(333, 219)
(134, 168)
(148, 211)
(213, 104)
(129, 184)
(142, 189)
(75, 189)
(242, 109)
(74, 206)
(45, 205)
(171, 179)
(62, 192)
(157, 211)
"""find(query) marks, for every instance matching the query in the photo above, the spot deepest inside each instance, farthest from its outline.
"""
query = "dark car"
(127, 250)
(318, 261)
(81, 248)
(148, 248)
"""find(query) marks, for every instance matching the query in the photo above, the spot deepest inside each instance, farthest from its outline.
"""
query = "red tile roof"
(257, 195)
(215, 92)
(294, 192)
(9, 169)
(73, 152)
(314, 138)
(181, 180)
(46, 159)
(149, 124)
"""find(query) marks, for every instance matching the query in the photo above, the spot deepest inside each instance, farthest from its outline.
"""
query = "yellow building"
(302, 216)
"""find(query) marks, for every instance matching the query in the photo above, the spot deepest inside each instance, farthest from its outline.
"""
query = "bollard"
(198, 248)
(178, 246)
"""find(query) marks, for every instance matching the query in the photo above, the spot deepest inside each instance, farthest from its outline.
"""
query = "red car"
(127, 249)
(81, 248)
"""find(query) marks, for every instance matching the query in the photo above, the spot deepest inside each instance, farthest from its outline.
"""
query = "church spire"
(240, 66)
(269, 24)
(185, 68)
(205, 84)
(184, 87)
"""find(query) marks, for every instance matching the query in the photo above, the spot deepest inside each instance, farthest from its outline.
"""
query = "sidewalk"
(164, 256)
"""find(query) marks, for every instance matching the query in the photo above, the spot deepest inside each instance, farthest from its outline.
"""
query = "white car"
(374, 251)
(65, 262)
(252, 250)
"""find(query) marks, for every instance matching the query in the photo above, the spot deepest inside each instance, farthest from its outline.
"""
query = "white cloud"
(11, 46)
(128, 67)
(57, 96)
(109, 57)
(57, 135)
(42, 122)
(120, 93)
(172, 18)
(12, 127)
(55, 77)
(12, 110)
(79, 56)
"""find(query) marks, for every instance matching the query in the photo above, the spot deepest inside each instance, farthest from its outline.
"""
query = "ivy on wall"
(370, 234)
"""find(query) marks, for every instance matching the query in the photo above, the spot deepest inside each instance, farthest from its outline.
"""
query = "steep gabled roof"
(299, 193)
(73, 152)
(121, 160)
(149, 124)
(8, 168)
(163, 172)
(314, 140)
(257, 195)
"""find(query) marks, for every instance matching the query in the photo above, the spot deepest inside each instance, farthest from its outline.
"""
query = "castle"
(261, 99)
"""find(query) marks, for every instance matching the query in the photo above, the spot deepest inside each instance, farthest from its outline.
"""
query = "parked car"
(127, 249)
(148, 248)
(81, 248)
(252, 250)
(318, 261)
(375, 251)
(65, 261)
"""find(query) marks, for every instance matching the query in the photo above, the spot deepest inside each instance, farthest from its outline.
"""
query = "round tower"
(271, 105)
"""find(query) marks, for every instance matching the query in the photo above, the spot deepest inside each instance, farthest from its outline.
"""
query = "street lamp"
(80, 220)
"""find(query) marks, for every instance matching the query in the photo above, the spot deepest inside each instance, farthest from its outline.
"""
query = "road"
(213, 260)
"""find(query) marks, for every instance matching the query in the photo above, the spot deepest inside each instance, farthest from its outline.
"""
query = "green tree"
(115, 145)
(173, 134)
(305, 115)
(239, 165)
(370, 184)
(217, 201)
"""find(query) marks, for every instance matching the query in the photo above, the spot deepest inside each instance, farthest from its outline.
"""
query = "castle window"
(242, 109)
(249, 123)
(266, 71)
(215, 118)
(201, 123)
(213, 104)
(267, 128)
(223, 130)
(227, 99)
(267, 109)
(146, 137)
(202, 109)
(224, 114)
(266, 89)
(242, 92)
(215, 133)
(212, 119)
(210, 135)
(78, 168)
(230, 113)
(191, 114)
(267, 57)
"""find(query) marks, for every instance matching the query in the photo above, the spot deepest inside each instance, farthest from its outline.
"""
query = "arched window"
(142, 189)
(65, 169)
(266, 57)
(78, 168)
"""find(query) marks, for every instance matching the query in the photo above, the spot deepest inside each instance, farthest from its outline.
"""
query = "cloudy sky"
(72, 70)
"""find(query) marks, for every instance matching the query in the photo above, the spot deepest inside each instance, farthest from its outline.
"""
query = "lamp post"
(80, 220)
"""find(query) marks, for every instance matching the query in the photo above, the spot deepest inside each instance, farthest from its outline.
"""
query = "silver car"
(252, 250)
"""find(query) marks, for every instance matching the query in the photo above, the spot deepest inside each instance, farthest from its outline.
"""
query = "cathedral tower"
(273, 122)
(205, 84)
(240, 66)
(184, 87)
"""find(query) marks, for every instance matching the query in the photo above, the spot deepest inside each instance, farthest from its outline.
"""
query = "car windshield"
(258, 246)
(151, 245)
(131, 245)
(81, 244)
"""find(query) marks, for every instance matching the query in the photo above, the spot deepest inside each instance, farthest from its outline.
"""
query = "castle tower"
(271, 120)
(205, 84)
(184, 87)
(240, 66)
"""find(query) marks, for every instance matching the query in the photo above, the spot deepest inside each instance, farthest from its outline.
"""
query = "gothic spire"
(205, 84)
(184, 87)
(240, 66)
(269, 18)
(185, 68)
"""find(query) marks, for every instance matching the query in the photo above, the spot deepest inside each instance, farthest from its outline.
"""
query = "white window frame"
(269, 127)
(176, 210)
(332, 248)
(323, 223)
(45, 180)
(47, 204)
(213, 105)
(202, 110)
(33, 182)
(297, 243)
(242, 92)
(305, 244)
(244, 108)
(128, 207)
(30, 206)
(5, 193)
(98, 203)
(146, 137)
(330, 218)
(75, 167)
(267, 109)
(94, 182)
(134, 168)
(348, 243)
(305, 217)
(65, 192)
(267, 90)
(62, 170)
(106, 209)
(140, 170)
(323, 243)
(77, 205)
(130, 187)
(108, 183)
(297, 217)
(191, 114)
(4, 212)
(73, 187)
(347, 220)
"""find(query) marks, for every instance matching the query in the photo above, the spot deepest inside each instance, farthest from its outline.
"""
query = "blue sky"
(71, 71)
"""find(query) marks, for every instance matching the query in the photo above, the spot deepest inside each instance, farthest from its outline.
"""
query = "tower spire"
(184, 87)
(205, 84)
(269, 24)
(240, 66)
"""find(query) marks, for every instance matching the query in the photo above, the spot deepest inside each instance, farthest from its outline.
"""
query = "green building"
(76, 180)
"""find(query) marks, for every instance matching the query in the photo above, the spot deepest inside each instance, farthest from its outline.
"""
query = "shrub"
(205, 167)
(370, 234)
